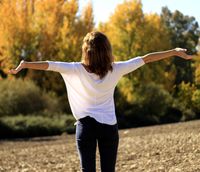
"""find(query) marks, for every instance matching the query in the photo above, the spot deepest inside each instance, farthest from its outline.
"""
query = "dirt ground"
(170, 148)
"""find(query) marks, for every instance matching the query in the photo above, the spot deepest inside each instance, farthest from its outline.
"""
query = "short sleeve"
(125, 67)
(61, 67)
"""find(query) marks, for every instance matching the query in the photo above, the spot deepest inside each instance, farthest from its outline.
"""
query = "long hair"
(97, 53)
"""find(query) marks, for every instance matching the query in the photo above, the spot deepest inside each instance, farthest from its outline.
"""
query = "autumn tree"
(41, 30)
(16, 33)
(184, 32)
(64, 39)
(124, 29)
(197, 67)
(133, 33)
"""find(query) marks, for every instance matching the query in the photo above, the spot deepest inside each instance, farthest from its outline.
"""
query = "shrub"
(196, 101)
(186, 98)
(151, 103)
(32, 126)
(154, 99)
(24, 97)
(173, 114)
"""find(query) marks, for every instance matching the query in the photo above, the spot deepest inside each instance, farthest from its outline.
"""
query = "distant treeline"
(161, 92)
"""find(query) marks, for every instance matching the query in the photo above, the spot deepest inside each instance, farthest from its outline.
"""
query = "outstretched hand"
(182, 53)
(18, 68)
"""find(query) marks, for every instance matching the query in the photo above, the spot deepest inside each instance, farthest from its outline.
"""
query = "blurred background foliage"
(34, 103)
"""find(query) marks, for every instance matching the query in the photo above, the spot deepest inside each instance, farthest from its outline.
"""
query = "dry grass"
(171, 148)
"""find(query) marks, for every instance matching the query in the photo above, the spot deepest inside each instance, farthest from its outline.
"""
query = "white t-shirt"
(88, 94)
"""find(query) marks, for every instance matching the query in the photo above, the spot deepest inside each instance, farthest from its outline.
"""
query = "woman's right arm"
(40, 65)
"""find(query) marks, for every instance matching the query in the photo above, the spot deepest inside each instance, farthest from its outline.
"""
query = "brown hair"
(97, 53)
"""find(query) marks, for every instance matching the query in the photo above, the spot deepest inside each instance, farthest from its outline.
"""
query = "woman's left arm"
(156, 56)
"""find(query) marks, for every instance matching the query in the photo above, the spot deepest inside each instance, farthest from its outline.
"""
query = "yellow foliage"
(42, 29)
(134, 33)
(197, 69)
(13, 28)
(156, 37)
(126, 89)
(87, 17)
(124, 28)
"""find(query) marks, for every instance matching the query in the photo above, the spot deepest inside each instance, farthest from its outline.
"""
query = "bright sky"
(103, 8)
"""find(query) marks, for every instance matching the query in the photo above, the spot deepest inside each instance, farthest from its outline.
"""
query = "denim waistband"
(91, 120)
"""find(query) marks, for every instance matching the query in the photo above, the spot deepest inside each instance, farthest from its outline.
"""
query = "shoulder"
(135, 60)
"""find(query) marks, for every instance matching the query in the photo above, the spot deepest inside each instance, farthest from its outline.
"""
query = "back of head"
(97, 53)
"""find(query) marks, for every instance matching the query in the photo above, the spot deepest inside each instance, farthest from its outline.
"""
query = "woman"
(90, 86)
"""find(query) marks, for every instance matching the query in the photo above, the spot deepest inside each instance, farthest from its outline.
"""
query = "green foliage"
(154, 99)
(137, 33)
(150, 104)
(196, 101)
(24, 97)
(186, 98)
(183, 32)
(32, 126)
(197, 67)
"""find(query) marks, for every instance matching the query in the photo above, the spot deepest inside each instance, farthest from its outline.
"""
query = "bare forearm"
(40, 65)
(156, 56)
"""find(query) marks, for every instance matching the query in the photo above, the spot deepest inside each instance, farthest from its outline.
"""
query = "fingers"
(12, 71)
(18, 68)
(15, 71)
(189, 57)
(181, 52)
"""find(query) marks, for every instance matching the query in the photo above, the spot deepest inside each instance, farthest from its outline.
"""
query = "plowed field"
(170, 148)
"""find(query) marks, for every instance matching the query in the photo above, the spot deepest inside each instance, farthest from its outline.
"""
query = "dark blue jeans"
(89, 132)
